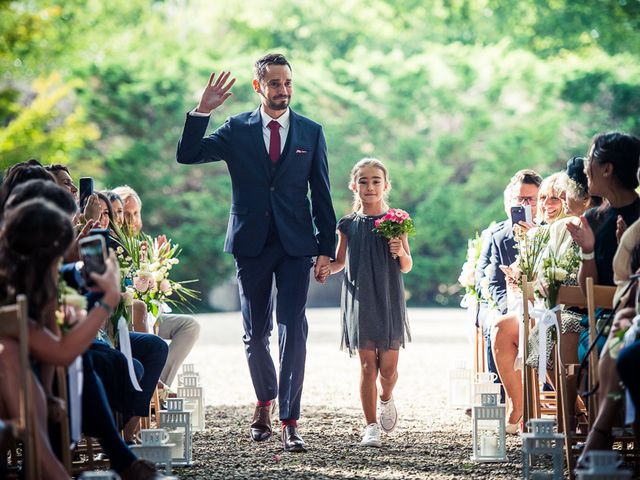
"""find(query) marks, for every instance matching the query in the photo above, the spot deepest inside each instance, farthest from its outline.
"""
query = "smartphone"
(521, 213)
(104, 232)
(93, 254)
(86, 190)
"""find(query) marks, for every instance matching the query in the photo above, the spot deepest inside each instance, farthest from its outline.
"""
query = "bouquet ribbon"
(125, 348)
(76, 379)
(547, 318)
(631, 336)
(471, 304)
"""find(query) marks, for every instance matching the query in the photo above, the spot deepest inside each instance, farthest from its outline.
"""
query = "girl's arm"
(337, 265)
(400, 248)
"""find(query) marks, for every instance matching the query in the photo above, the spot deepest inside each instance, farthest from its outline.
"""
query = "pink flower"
(165, 286)
(377, 223)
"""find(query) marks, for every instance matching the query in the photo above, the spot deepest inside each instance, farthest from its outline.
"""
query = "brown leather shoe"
(261, 425)
(142, 470)
(291, 440)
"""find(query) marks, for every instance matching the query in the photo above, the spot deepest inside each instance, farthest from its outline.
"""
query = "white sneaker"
(371, 437)
(388, 415)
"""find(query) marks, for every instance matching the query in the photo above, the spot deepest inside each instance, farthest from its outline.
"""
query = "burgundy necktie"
(274, 141)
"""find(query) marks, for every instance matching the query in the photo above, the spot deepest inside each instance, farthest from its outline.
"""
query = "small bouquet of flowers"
(555, 273)
(530, 247)
(146, 265)
(69, 302)
(467, 278)
(394, 224)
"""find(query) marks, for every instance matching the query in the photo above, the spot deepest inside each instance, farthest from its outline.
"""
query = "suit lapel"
(510, 246)
(285, 158)
(255, 128)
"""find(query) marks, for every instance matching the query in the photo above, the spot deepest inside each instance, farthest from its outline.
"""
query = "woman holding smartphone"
(33, 240)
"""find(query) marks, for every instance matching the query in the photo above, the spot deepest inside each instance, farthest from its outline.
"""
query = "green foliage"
(453, 95)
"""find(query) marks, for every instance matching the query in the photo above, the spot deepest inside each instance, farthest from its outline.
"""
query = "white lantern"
(489, 430)
(99, 475)
(183, 376)
(155, 447)
(541, 440)
(194, 401)
(485, 383)
(460, 386)
(602, 465)
(177, 421)
(188, 368)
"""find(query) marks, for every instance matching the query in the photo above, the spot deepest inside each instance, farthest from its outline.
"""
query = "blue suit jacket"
(503, 252)
(262, 192)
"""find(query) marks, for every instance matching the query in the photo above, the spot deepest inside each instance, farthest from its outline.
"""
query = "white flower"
(74, 299)
(127, 297)
(560, 274)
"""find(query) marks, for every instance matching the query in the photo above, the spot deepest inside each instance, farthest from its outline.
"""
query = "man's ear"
(256, 86)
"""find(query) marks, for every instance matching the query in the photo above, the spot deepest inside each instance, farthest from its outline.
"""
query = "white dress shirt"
(283, 120)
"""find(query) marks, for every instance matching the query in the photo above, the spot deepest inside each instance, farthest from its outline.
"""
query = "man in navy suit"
(275, 157)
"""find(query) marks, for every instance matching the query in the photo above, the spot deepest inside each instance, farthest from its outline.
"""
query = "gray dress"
(374, 314)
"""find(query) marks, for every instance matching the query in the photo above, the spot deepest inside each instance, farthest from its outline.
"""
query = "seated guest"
(33, 239)
(63, 178)
(611, 168)
(523, 186)
(628, 361)
(97, 420)
(487, 312)
(182, 330)
(117, 207)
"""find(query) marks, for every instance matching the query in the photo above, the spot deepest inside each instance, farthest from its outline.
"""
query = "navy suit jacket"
(261, 192)
(503, 252)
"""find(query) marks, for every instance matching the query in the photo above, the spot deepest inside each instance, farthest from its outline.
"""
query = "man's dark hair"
(57, 167)
(260, 67)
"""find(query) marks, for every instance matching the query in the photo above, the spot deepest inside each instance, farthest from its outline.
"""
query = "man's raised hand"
(216, 92)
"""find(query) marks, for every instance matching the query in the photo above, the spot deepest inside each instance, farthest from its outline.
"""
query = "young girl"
(374, 320)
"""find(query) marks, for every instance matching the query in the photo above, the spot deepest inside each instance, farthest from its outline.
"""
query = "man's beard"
(281, 104)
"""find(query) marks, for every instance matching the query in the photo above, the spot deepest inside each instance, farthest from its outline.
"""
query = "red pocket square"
(299, 150)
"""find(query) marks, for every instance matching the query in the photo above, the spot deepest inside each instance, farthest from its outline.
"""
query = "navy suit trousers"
(255, 280)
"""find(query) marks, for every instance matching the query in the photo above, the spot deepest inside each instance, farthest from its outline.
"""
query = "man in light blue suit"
(275, 157)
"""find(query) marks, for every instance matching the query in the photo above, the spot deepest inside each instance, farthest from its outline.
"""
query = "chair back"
(14, 323)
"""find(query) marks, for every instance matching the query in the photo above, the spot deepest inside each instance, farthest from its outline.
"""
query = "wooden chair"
(598, 296)
(14, 323)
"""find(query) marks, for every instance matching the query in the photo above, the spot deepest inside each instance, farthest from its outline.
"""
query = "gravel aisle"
(431, 441)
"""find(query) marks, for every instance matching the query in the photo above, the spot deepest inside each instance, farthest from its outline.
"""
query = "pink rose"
(377, 223)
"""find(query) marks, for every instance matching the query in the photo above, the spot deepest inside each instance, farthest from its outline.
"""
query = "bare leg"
(139, 316)
(388, 373)
(599, 436)
(368, 388)
(50, 467)
(131, 428)
(504, 342)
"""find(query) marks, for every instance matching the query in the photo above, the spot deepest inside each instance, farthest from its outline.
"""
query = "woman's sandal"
(607, 444)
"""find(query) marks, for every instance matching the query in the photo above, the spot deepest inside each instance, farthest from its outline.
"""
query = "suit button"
(272, 188)
(266, 214)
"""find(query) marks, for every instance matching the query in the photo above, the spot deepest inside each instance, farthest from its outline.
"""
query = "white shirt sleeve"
(194, 113)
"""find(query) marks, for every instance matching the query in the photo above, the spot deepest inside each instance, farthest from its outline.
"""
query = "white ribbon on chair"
(125, 348)
(547, 318)
(515, 305)
(629, 337)
(76, 378)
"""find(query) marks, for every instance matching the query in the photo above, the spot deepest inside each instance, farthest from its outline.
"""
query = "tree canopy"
(453, 95)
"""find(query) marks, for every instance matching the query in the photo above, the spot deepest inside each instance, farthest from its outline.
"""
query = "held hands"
(582, 234)
(322, 270)
(216, 92)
